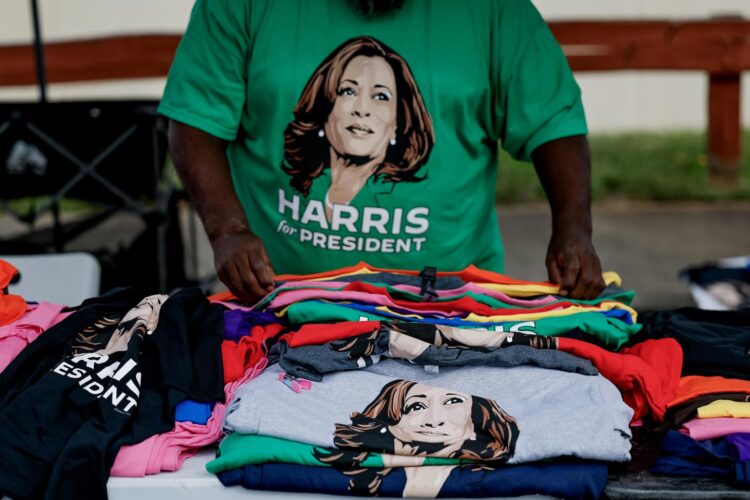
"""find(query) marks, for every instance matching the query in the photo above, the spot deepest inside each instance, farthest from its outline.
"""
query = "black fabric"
(678, 415)
(59, 433)
(713, 342)
(47, 350)
(83, 130)
(707, 275)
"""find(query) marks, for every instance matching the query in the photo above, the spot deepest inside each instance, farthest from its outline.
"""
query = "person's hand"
(573, 264)
(242, 265)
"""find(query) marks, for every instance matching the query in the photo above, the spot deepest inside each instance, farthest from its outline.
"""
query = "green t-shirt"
(354, 139)
(613, 332)
(238, 450)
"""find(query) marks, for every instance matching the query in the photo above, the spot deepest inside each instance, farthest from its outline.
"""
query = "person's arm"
(564, 169)
(239, 255)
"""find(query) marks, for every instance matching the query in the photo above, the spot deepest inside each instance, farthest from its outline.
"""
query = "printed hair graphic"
(493, 435)
(307, 153)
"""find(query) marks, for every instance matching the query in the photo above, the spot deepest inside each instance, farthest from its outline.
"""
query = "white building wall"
(614, 101)
(647, 100)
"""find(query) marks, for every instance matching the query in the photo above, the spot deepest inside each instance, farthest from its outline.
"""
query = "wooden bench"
(719, 47)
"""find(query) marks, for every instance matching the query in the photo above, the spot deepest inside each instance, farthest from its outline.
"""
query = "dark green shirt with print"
(372, 139)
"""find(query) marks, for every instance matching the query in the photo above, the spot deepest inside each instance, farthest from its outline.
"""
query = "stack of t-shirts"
(199, 424)
(709, 417)
(471, 298)
(713, 418)
(397, 418)
(110, 374)
(399, 383)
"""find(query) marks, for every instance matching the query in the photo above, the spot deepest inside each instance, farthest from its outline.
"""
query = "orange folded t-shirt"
(470, 273)
(693, 386)
(12, 307)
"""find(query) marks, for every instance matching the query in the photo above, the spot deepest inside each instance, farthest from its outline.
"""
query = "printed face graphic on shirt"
(403, 346)
(434, 415)
(94, 337)
(410, 344)
(363, 119)
(360, 116)
(411, 420)
(408, 418)
(465, 337)
(139, 320)
(98, 358)
(111, 334)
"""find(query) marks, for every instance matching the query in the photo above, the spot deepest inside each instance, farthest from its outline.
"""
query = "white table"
(192, 482)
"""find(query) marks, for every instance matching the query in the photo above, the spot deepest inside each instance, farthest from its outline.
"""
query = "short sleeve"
(535, 97)
(206, 86)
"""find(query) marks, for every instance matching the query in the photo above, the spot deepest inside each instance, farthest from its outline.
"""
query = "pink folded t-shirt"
(287, 298)
(448, 293)
(468, 287)
(709, 428)
(15, 336)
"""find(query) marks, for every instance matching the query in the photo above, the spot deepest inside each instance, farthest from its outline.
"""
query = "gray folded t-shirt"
(314, 361)
(520, 414)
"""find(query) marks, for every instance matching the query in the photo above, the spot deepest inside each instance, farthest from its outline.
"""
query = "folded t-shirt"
(516, 414)
(567, 479)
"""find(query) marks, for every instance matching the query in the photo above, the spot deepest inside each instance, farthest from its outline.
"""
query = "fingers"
(562, 269)
(597, 284)
(569, 275)
(264, 273)
(582, 288)
(247, 274)
(553, 271)
(243, 266)
(588, 283)
(230, 275)
(578, 273)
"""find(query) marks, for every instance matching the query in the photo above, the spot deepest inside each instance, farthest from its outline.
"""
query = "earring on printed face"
(393, 141)
(321, 133)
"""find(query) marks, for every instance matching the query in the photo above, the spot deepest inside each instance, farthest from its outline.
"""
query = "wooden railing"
(720, 48)
(111, 58)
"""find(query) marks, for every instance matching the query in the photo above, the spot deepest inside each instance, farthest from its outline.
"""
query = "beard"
(373, 7)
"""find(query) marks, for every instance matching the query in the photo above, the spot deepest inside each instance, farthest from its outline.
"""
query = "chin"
(355, 152)
(431, 439)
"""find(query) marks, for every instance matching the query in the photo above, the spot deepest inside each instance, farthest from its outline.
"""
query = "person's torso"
(441, 212)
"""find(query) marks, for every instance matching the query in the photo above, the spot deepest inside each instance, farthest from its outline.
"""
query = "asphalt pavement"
(646, 243)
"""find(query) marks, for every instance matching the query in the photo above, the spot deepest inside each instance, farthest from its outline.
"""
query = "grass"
(640, 166)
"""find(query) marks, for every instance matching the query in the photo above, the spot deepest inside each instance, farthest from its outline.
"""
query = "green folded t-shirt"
(613, 332)
(238, 450)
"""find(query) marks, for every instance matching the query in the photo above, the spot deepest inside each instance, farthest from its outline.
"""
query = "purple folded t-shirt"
(741, 444)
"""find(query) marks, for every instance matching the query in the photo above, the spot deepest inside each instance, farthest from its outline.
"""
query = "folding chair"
(67, 278)
(108, 153)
